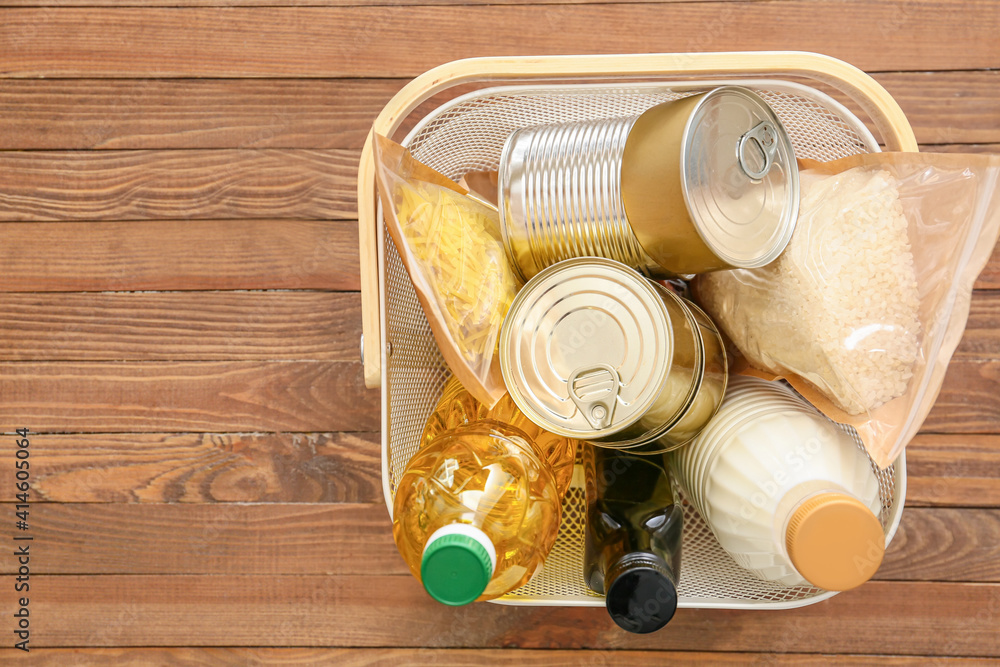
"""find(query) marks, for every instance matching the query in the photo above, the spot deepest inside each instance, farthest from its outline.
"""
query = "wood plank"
(194, 184)
(202, 468)
(198, 254)
(969, 401)
(990, 277)
(157, 185)
(378, 611)
(180, 326)
(190, 113)
(179, 255)
(948, 107)
(302, 396)
(961, 148)
(942, 470)
(944, 545)
(306, 3)
(955, 470)
(381, 41)
(369, 657)
(187, 396)
(932, 544)
(981, 339)
(942, 107)
(268, 539)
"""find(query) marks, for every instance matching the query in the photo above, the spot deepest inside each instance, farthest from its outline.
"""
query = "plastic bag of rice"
(839, 308)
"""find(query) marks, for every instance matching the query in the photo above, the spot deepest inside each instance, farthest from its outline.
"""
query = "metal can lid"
(739, 177)
(585, 347)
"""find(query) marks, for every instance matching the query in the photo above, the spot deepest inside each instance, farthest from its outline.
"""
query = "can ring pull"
(763, 136)
(594, 390)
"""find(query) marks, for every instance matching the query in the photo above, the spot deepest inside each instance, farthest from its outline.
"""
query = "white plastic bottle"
(789, 495)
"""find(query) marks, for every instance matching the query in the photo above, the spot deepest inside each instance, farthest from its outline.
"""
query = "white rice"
(839, 307)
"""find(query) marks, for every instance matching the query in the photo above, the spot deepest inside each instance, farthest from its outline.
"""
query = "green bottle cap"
(456, 565)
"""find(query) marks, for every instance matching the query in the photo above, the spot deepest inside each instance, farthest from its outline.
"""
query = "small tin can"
(703, 183)
(592, 350)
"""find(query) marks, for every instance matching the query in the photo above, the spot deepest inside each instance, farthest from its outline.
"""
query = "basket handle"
(864, 90)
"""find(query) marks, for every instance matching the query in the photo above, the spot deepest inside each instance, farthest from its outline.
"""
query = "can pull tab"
(756, 163)
(594, 389)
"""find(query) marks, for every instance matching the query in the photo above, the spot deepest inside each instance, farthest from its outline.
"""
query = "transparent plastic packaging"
(457, 407)
(865, 307)
(476, 513)
(451, 246)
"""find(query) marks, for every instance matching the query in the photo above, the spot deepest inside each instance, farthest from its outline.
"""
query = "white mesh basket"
(467, 134)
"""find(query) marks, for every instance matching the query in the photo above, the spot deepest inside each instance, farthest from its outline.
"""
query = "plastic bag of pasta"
(451, 246)
(863, 310)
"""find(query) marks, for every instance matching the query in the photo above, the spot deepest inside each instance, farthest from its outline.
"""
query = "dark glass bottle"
(633, 547)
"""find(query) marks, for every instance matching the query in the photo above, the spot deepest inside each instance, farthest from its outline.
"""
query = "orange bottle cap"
(835, 542)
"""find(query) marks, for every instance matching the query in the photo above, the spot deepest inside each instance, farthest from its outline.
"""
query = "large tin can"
(703, 183)
(707, 400)
(592, 350)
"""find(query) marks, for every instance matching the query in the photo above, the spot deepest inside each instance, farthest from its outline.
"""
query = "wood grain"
(268, 539)
(187, 396)
(932, 544)
(990, 277)
(302, 3)
(956, 470)
(372, 657)
(202, 468)
(980, 340)
(969, 401)
(942, 107)
(180, 326)
(961, 148)
(179, 255)
(948, 107)
(944, 545)
(942, 470)
(205, 462)
(381, 41)
(376, 610)
(190, 113)
(303, 396)
(199, 254)
(196, 184)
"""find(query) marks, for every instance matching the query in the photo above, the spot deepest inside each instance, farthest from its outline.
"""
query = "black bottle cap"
(640, 593)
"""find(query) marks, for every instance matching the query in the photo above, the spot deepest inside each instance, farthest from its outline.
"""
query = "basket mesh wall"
(469, 137)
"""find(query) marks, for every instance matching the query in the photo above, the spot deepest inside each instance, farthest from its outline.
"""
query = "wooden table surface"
(179, 323)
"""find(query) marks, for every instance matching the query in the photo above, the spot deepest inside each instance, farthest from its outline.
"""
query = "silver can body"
(594, 351)
(704, 183)
(561, 197)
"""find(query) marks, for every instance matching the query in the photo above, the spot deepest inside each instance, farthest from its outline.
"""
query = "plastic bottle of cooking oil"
(476, 512)
(633, 538)
(457, 407)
